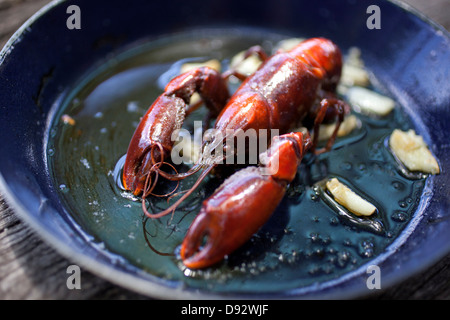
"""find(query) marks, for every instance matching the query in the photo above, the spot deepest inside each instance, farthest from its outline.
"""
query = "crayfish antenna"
(181, 175)
(201, 163)
(173, 207)
(204, 162)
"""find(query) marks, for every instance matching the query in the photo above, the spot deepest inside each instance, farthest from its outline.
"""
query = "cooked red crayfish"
(289, 88)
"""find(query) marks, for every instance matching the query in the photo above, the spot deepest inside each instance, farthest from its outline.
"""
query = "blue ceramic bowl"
(409, 55)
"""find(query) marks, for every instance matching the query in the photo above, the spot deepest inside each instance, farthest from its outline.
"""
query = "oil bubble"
(314, 270)
(328, 269)
(331, 250)
(343, 258)
(334, 221)
(53, 132)
(399, 216)
(314, 237)
(63, 188)
(326, 240)
(85, 162)
(397, 185)
(132, 107)
(366, 249)
(346, 166)
(362, 167)
(347, 243)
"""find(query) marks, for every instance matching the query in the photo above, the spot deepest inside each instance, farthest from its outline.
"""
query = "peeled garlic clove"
(413, 152)
(354, 76)
(353, 71)
(213, 63)
(349, 199)
(288, 44)
(350, 123)
(66, 119)
(369, 102)
(354, 57)
(245, 66)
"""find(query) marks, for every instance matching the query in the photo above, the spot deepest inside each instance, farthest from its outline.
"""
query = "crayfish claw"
(201, 245)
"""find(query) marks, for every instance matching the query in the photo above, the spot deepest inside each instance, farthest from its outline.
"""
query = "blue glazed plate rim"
(163, 289)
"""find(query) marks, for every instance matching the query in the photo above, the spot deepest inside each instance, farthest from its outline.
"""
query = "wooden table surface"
(31, 269)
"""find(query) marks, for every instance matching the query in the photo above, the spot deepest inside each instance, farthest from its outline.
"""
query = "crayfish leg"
(257, 51)
(329, 107)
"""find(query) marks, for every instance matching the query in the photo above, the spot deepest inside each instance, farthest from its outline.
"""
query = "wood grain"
(437, 10)
(31, 269)
(13, 13)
